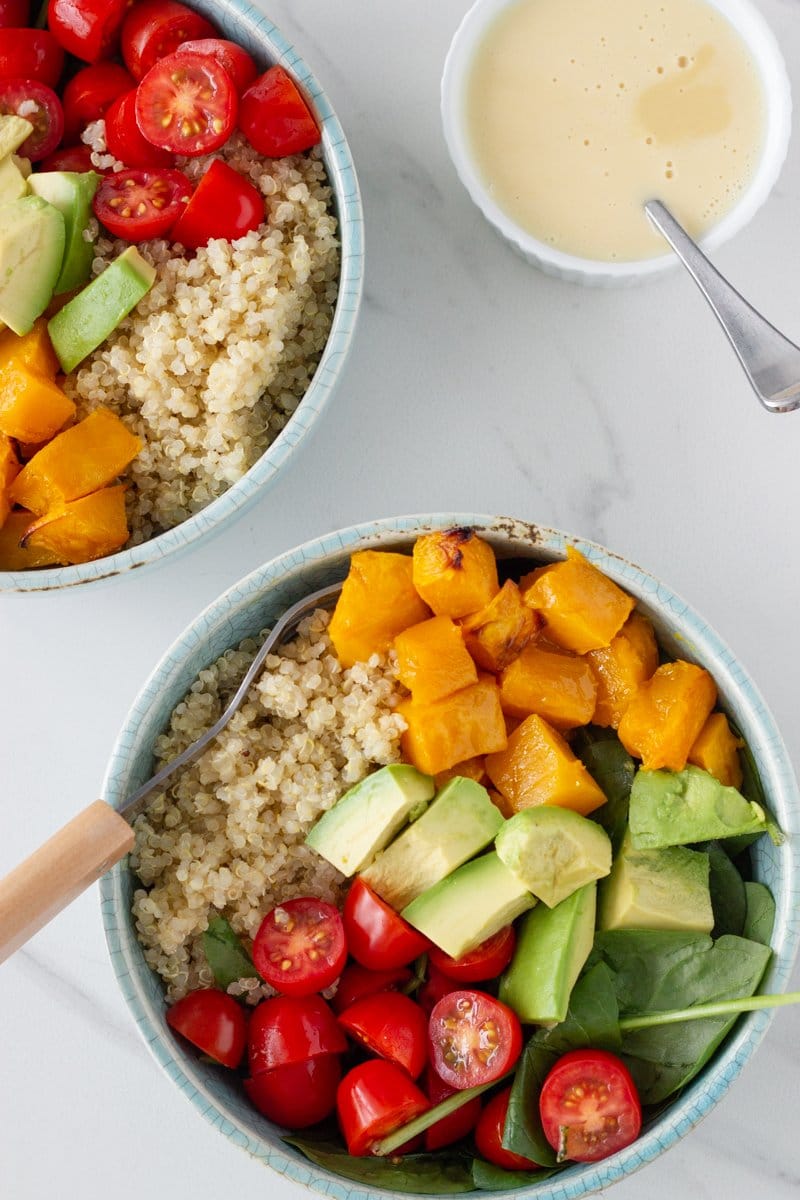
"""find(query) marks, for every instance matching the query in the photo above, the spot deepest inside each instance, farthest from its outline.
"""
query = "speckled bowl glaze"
(243, 23)
(256, 601)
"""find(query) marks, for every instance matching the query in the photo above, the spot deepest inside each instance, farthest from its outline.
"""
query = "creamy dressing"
(578, 111)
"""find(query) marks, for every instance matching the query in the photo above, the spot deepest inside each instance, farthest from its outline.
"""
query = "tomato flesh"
(155, 28)
(212, 1021)
(89, 29)
(297, 1095)
(435, 988)
(489, 1136)
(137, 205)
(390, 1025)
(589, 1106)
(275, 118)
(125, 140)
(225, 205)
(47, 118)
(373, 1100)
(377, 937)
(30, 54)
(69, 158)
(300, 946)
(13, 14)
(89, 94)
(486, 961)
(186, 104)
(357, 982)
(232, 58)
(458, 1124)
(474, 1039)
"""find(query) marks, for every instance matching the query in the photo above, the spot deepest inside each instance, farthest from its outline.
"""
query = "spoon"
(89, 845)
(771, 362)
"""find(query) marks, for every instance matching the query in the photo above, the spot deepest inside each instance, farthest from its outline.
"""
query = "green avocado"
(554, 851)
(677, 808)
(31, 250)
(657, 889)
(13, 183)
(71, 192)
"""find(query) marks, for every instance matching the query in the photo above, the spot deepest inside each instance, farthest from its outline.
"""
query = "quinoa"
(227, 834)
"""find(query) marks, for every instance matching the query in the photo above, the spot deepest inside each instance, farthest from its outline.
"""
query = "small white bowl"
(763, 46)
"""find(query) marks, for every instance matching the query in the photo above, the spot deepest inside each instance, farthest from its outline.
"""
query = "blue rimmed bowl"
(243, 23)
(254, 603)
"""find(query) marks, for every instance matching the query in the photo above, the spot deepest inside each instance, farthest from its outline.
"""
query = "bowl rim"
(703, 643)
(241, 495)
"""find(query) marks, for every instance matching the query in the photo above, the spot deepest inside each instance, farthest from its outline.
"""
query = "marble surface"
(475, 383)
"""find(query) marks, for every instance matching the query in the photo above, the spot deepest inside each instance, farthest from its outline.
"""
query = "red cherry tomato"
(138, 205)
(435, 987)
(155, 28)
(373, 1100)
(392, 1026)
(298, 1095)
(486, 961)
(232, 58)
(47, 118)
(30, 54)
(589, 1106)
(69, 158)
(377, 937)
(225, 205)
(126, 141)
(357, 982)
(275, 118)
(291, 1029)
(89, 29)
(300, 946)
(489, 1136)
(473, 1039)
(88, 95)
(212, 1021)
(13, 14)
(186, 104)
(458, 1124)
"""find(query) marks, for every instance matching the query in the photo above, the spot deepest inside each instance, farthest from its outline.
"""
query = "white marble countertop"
(475, 383)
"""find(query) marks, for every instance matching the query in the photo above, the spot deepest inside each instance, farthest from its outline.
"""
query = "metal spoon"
(89, 845)
(771, 362)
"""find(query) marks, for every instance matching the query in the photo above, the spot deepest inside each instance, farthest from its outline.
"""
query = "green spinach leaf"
(727, 892)
(416, 1174)
(760, 916)
(489, 1178)
(612, 769)
(226, 954)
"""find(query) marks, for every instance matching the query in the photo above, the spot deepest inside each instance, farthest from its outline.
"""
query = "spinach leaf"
(489, 1178)
(612, 769)
(523, 1133)
(727, 892)
(417, 1174)
(226, 955)
(760, 916)
(751, 789)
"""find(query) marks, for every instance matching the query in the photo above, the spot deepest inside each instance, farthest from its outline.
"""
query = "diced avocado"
(554, 851)
(470, 905)
(366, 818)
(31, 250)
(12, 182)
(552, 946)
(90, 317)
(657, 889)
(71, 192)
(14, 131)
(676, 808)
(460, 822)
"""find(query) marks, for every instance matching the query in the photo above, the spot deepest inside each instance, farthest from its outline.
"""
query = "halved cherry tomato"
(489, 1136)
(392, 1026)
(473, 1039)
(137, 205)
(69, 158)
(232, 58)
(89, 93)
(589, 1106)
(435, 987)
(212, 1021)
(297, 1095)
(89, 29)
(300, 946)
(187, 104)
(290, 1029)
(486, 961)
(125, 140)
(458, 1124)
(377, 937)
(225, 205)
(155, 28)
(357, 982)
(13, 14)
(47, 119)
(275, 118)
(373, 1100)
(30, 54)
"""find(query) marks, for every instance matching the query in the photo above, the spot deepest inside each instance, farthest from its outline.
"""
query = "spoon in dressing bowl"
(771, 362)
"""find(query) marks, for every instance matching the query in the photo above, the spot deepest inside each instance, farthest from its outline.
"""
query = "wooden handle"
(38, 889)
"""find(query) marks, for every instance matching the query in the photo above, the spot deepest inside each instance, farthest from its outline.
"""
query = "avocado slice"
(31, 250)
(470, 905)
(554, 851)
(13, 183)
(367, 817)
(71, 192)
(657, 889)
(677, 808)
(552, 946)
(14, 131)
(459, 823)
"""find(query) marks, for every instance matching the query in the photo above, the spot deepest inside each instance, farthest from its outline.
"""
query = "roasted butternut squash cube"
(716, 750)
(501, 804)
(664, 718)
(432, 660)
(583, 608)
(32, 408)
(9, 470)
(16, 557)
(378, 601)
(538, 767)
(446, 732)
(455, 572)
(34, 350)
(84, 529)
(559, 687)
(470, 768)
(621, 667)
(498, 632)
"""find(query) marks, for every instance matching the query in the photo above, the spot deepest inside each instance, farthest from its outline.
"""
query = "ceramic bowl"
(243, 23)
(747, 20)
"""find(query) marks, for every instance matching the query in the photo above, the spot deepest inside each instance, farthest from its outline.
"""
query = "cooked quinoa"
(214, 360)
(228, 834)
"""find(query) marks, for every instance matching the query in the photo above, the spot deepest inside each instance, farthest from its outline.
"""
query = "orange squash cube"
(33, 349)
(583, 609)
(83, 530)
(538, 767)
(620, 668)
(455, 572)
(716, 750)
(498, 632)
(9, 470)
(467, 724)
(432, 660)
(32, 408)
(378, 601)
(471, 768)
(664, 718)
(559, 687)
(14, 556)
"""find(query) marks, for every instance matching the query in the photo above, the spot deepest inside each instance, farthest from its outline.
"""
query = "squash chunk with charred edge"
(32, 407)
(9, 469)
(455, 572)
(665, 717)
(538, 767)
(501, 630)
(583, 608)
(432, 660)
(377, 602)
(83, 530)
(559, 687)
(34, 350)
(620, 668)
(15, 557)
(461, 726)
(716, 750)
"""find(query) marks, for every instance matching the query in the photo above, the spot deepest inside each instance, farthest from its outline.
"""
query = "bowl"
(247, 25)
(763, 46)
(252, 604)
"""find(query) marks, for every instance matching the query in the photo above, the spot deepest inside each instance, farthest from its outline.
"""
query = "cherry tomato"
(232, 58)
(373, 1100)
(275, 118)
(473, 1039)
(297, 1095)
(291, 1029)
(89, 29)
(187, 104)
(13, 14)
(435, 987)
(357, 981)
(155, 28)
(589, 1106)
(137, 205)
(47, 119)
(392, 1026)
(377, 937)
(225, 205)
(30, 54)
(458, 1124)
(489, 1136)
(69, 158)
(486, 961)
(88, 95)
(300, 946)
(126, 141)
(212, 1021)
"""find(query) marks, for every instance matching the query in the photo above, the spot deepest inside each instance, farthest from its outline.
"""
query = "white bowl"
(766, 54)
